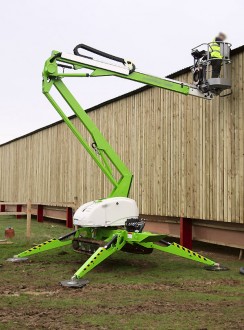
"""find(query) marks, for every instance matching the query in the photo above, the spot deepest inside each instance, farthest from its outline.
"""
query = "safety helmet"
(222, 35)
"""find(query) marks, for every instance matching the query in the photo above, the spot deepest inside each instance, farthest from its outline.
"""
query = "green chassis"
(115, 240)
(107, 159)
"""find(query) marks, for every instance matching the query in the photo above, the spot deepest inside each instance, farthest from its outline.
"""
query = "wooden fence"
(19, 213)
(57, 211)
(187, 154)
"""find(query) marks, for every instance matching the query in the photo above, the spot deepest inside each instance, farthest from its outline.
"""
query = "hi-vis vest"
(214, 49)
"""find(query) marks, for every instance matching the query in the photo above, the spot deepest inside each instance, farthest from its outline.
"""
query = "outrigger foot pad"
(74, 283)
(216, 267)
(15, 259)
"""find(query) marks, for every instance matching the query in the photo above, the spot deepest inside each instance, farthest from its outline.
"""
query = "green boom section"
(143, 78)
(102, 153)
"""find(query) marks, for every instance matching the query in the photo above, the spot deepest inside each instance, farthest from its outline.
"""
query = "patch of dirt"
(49, 318)
(37, 319)
(193, 286)
(103, 300)
(209, 286)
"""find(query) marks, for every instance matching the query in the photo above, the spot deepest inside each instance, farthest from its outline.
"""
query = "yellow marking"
(192, 253)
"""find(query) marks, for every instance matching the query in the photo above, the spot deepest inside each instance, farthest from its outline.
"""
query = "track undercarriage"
(86, 245)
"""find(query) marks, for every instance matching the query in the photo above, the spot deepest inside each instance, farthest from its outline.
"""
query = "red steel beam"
(186, 232)
(40, 213)
(18, 209)
(69, 217)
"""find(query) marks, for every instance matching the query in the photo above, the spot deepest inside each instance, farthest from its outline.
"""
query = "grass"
(157, 291)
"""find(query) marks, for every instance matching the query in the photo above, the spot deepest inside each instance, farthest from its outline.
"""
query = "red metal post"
(69, 217)
(18, 209)
(186, 232)
(40, 213)
(2, 208)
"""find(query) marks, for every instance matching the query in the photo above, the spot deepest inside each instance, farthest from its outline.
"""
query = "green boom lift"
(108, 225)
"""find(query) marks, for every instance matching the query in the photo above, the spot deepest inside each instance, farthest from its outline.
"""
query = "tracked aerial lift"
(108, 225)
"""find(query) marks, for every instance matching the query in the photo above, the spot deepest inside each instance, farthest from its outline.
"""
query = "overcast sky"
(156, 35)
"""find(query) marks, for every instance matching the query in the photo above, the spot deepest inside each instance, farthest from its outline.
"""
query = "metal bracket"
(74, 283)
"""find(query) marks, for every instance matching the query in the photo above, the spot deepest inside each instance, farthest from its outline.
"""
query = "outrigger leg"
(115, 244)
(43, 247)
(183, 252)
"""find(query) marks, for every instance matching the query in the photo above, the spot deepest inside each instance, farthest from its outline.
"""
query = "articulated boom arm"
(102, 153)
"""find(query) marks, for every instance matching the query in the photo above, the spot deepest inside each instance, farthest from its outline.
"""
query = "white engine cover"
(107, 212)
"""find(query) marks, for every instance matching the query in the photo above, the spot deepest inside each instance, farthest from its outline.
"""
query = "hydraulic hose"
(98, 52)
(103, 54)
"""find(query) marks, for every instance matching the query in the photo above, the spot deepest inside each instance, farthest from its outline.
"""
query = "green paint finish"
(105, 152)
(45, 246)
(180, 251)
(104, 155)
(145, 239)
(164, 83)
(101, 254)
